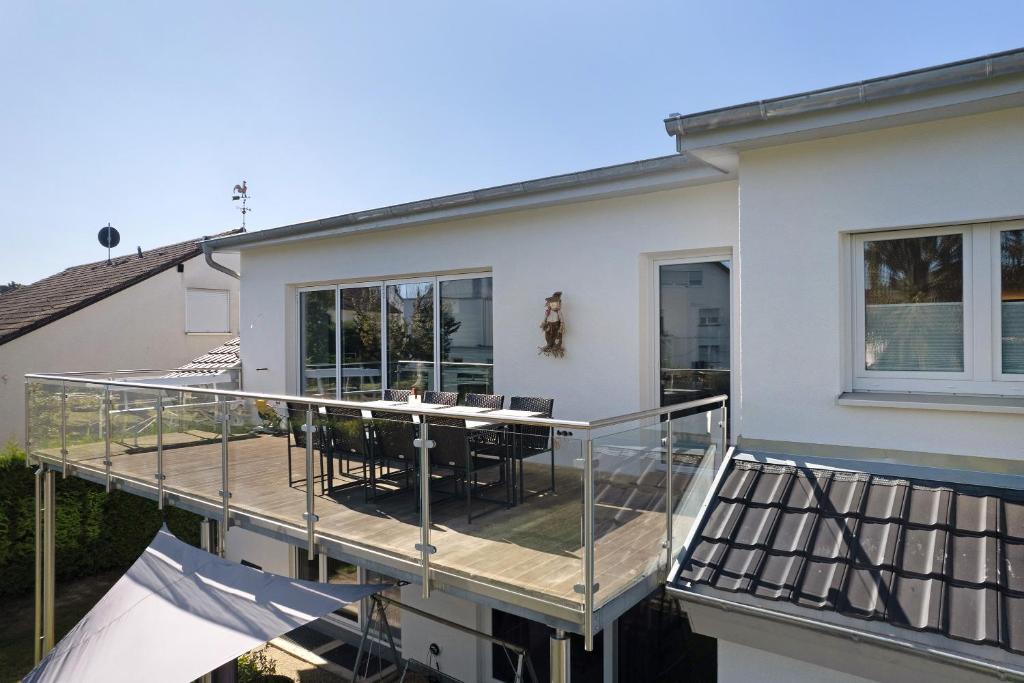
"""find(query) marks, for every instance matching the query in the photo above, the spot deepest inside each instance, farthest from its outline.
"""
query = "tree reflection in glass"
(1011, 258)
(411, 336)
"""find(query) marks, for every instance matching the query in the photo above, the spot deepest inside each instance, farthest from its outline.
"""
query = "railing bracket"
(581, 589)
(430, 550)
(430, 443)
(314, 517)
(224, 494)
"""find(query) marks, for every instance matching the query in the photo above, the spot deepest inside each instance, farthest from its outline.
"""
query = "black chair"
(489, 401)
(529, 440)
(345, 439)
(454, 454)
(392, 448)
(443, 398)
(397, 394)
(296, 426)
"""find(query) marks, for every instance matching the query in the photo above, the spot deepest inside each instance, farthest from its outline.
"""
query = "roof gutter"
(208, 255)
(979, 665)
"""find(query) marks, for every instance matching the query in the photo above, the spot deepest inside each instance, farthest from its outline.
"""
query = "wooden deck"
(534, 548)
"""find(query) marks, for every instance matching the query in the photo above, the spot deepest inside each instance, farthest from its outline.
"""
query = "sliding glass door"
(434, 333)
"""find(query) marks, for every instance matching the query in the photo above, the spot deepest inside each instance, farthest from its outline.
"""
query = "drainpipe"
(208, 255)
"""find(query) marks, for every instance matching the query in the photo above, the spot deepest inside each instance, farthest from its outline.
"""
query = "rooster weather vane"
(241, 192)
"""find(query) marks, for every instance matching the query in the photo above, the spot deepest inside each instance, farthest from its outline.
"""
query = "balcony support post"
(63, 429)
(106, 437)
(45, 569)
(160, 451)
(225, 494)
(310, 513)
(207, 539)
(670, 457)
(37, 634)
(28, 424)
(424, 546)
(558, 647)
(588, 541)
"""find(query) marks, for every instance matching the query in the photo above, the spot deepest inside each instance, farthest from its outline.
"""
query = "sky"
(146, 114)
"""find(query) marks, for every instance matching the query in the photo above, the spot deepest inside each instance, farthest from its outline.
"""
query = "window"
(433, 333)
(940, 310)
(208, 311)
(708, 317)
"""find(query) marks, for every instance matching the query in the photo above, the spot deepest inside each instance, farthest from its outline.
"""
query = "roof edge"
(951, 74)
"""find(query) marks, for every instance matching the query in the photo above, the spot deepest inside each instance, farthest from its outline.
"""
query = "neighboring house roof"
(848, 547)
(30, 307)
(225, 357)
(918, 81)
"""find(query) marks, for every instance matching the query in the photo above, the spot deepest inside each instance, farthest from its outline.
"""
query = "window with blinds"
(208, 311)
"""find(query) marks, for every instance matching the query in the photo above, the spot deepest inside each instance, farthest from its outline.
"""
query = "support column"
(45, 570)
(207, 541)
(37, 634)
(558, 647)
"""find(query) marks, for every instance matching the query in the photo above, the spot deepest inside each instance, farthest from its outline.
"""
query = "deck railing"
(597, 507)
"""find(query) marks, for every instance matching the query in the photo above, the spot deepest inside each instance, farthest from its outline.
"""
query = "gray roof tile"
(977, 514)
(705, 561)
(916, 603)
(739, 569)
(1013, 566)
(778, 577)
(875, 544)
(832, 538)
(973, 559)
(846, 493)
(772, 485)
(755, 526)
(866, 592)
(807, 490)
(739, 483)
(928, 506)
(1013, 608)
(885, 499)
(1013, 519)
(792, 531)
(723, 520)
(924, 551)
(820, 584)
(973, 613)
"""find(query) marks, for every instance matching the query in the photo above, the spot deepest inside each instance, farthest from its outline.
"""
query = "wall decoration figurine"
(553, 326)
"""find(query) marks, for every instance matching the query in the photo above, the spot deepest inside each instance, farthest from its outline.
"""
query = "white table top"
(466, 410)
(494, 416)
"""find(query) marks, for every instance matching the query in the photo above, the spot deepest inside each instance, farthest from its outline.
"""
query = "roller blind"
(208, 310)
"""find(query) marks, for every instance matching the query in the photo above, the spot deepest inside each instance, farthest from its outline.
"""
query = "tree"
(9, 287)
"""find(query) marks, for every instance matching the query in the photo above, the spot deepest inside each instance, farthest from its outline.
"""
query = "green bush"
(96, 531)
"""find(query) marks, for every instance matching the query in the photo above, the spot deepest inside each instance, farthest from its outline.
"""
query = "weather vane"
(241, 192)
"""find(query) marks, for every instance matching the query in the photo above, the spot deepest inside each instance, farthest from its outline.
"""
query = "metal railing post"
(49, 557)
(106, 436)
(426, 549)
(310, 514)
(28, 424)
(669, 494)
(38, 632)
(588, 549)
(160, 452)
(720, 456)
(63, 429)
(225, 494)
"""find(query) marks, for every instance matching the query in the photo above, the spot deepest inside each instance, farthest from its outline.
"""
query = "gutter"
(888, 643)
(208, 255)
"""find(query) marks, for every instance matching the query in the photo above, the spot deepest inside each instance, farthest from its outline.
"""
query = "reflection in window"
(360, 343)
(467, 345)
(913, 304)
(339, 572)
(1011, 249)
(394, 614)
(318, 343)
(411, 336)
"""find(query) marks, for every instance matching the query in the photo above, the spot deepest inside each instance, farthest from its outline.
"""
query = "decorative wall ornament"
(553, 326)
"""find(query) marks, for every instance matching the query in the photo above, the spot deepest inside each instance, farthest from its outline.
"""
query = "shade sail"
(180, 612)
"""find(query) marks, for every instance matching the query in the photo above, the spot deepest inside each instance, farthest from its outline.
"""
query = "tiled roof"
(921, 555)
(32, 306)
(225, 357)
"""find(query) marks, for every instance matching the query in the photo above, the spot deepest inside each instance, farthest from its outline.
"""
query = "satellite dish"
(109, 237)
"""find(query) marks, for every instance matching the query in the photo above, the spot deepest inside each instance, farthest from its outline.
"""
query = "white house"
(152, 311)
(845, 265)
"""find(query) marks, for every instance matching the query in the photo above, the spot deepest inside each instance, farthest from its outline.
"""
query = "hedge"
(96, 531)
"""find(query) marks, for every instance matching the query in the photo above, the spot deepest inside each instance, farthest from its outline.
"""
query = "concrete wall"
(598, 253)
(797, 201)
(742, 664)
(139, 327)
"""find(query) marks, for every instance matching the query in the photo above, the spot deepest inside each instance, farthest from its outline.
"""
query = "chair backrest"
(450, 444)
(395, 433)
(397, 394)
(346, 431)
(296, 420)
(444, 398)
(492, 401)
(534, 437)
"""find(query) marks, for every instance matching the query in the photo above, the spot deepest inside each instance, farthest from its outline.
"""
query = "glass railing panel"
(506, 506)
(86, 423)
(697, 447)
(192, 443)
(133, 433)
(43, 405)
(630, 519)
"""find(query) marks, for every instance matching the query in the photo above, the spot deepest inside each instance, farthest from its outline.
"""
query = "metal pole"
(720, 456)
(28, 424)
(424, 546)
(49, 556)
(106, 436)
(588, 539)
(225, 495)
(160, 451)
(64, 429)
(669, 495)
(558, 647)
(38, 632)
(310, 492)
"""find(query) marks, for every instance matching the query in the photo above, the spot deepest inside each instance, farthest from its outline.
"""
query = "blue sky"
(145, 114)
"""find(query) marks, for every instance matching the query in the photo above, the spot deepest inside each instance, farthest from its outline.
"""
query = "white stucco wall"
(269, 554)
(742, 664)
(139, 327)
(796, 201)
(597, 253)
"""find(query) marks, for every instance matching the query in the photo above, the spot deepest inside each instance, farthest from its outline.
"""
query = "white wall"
(461, 654)
(795, 202)
(269, 554)
(742, 664)
(139, 327)
(597, 253)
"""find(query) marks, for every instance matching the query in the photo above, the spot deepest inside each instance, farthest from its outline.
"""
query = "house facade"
(843, 265)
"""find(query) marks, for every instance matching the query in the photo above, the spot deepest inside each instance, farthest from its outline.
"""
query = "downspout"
(208, 254)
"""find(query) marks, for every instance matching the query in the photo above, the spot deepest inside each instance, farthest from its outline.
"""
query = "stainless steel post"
(588, 547)
(310, 492)
(424, 546)
(206, 543)
(225, 494)
(725, 436)
(38, 632)
(106, 437)
(49, 557)
(28, 424)
(669, 494)
(64, 429)
(558, 647)
(160, 451)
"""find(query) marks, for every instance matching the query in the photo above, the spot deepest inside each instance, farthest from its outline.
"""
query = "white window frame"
(982, 373)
